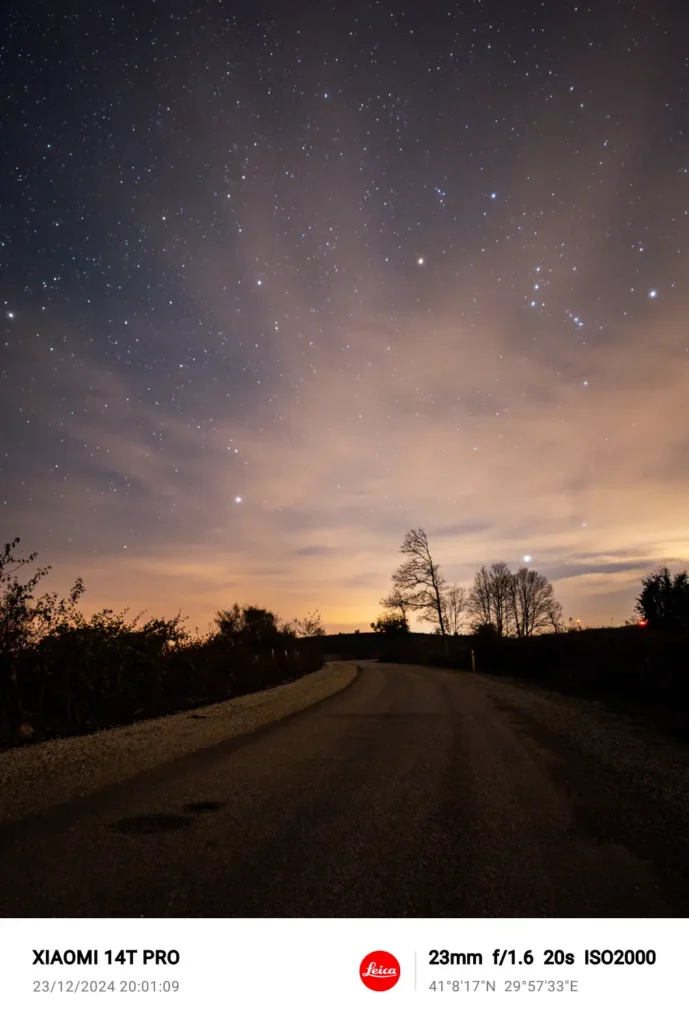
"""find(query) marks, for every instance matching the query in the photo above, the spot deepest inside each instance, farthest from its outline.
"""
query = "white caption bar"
(366, 970)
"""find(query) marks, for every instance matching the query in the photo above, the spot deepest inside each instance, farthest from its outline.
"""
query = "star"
(344, 366)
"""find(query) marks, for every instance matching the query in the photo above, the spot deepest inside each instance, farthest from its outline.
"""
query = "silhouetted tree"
(255, 627)
(419, 579)
(396, 601)
(501, 591)
(260, 627)
(513, 604)
(664, 600)
(391, 625)
(485, 630)
(230, 622)
(310, 625)
(24, 619)
(533, 602)
(556, 618)
(17, 610)
(454, 603)
(490, 598)
(480, 604)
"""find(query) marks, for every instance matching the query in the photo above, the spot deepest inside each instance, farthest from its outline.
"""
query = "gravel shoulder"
(626, 782)
(42, 775)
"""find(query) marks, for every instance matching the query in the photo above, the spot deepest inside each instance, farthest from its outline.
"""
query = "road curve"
(413, 793)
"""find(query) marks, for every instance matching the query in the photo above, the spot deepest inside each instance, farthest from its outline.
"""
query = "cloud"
(354, 395)
(462, 529)
(568, 571)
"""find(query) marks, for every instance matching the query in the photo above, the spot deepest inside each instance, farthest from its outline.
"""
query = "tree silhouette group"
(500, 602)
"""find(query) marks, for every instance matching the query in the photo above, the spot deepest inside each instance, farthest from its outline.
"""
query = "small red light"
(643, 622)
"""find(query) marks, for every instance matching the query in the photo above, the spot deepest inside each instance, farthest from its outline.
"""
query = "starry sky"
(280, 282)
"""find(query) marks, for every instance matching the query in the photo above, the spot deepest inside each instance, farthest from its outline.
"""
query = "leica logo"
(379, 971)
(372, 969)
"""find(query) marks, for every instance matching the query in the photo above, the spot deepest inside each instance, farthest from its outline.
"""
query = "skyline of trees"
(68, 672)
(500, 602)
(519, 603)
(63, 673)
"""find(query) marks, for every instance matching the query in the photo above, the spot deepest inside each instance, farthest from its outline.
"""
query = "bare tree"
(490, 600)
(556, 618)
(419, 579)
(454, 602)
(533, 602)
(500, 592)
(479, 603)
(397, 602)
(310, 625)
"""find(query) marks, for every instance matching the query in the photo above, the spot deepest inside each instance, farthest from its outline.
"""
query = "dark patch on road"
(152, 824)
(203, 806)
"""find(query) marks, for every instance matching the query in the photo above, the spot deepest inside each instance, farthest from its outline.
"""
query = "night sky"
(280, 283)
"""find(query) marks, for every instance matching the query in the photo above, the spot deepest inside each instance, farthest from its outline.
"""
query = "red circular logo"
(380, 970)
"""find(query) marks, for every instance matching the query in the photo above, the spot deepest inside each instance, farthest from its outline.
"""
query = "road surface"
(415, 792)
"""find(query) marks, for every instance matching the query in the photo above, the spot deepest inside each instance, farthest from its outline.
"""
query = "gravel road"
(412, 792)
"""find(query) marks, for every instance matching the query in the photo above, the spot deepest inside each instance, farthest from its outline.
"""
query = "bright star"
(238, 500)
(652, 294)
(259, 282)
(10, 316)
(527, 558)
(420, 261)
